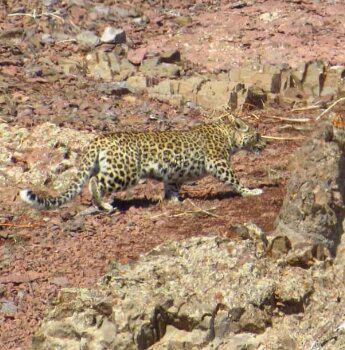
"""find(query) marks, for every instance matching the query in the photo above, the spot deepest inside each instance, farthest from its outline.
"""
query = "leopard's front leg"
(220, 169)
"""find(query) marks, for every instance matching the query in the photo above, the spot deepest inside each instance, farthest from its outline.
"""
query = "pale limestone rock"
(113, 35)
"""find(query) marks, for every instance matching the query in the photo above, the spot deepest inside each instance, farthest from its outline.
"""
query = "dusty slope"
(60, 251)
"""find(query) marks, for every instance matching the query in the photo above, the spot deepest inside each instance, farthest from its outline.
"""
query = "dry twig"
(36, 15)
(309, 108)
(282, 138)
(291, 120)
(203, 210)
(327, 110)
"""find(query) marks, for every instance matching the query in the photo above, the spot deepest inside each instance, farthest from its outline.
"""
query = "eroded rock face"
(203, 293)
(246, 87)
(313, 210)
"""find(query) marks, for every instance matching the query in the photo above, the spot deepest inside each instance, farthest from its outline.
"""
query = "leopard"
(117, 161)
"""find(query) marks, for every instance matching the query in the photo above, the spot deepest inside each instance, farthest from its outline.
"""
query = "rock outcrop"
(250, 86)
(313, 211)
(204, 293)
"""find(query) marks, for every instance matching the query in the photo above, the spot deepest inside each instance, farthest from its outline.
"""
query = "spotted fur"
(118, 161)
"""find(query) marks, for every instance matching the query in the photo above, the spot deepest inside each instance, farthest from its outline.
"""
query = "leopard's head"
(244, 136)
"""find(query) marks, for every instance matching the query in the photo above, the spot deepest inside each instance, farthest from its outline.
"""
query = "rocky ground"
(65, 77)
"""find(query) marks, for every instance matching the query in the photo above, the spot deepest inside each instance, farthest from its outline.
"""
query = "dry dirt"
(41, 252)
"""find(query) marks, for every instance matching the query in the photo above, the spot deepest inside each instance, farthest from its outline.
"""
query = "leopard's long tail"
(89, 167)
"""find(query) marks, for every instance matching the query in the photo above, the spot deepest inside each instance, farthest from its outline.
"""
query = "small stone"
(279, 246)
(182, 20)
(171, 56)
(88, 38)
(101, 10)
(238, 5)
(254, 320)
(123, 12)
(8, 308)
(141, 21)
(137, 82)
(49, 3)
(60, 281)
(269, 16)
(116, 88)
(21, 9)
(137, 56)
(47, 39)
(113, 35)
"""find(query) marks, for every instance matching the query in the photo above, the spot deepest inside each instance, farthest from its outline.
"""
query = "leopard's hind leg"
(97, 191)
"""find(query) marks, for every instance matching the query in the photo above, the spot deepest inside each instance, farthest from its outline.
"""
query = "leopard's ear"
(227, 119)
(240, 125)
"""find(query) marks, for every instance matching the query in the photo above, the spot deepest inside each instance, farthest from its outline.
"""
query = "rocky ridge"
(252, 86)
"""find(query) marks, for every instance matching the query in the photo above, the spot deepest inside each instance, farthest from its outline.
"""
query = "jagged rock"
(333, 79)
(109, 66)
(191, 293)
(313, 78)
(214, 94)
(69, 65)
(254, 320)
(243, 341)
(247, 98)
(175, 339)
(137, 56)
(113, 35)
(189, 88)
(137, 82)
(167, 90)
(116, 88)
(280, 245)
(171, 56)
(313, 209)
(269, 78)
(152, 67)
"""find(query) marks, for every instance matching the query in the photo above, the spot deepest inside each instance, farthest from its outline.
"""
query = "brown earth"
(41, 252)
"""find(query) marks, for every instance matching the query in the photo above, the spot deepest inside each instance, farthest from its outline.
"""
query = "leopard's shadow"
(125, 204)
(215, 196)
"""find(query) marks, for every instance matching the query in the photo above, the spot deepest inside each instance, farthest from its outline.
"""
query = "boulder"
(313, 210)
(197, 293)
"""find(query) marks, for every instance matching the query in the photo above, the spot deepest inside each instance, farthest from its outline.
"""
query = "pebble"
(123, 12)
(141, 21)
(238, 5)
(170, 56)
(137, 56)
(47, 39)
(86, 37)
(115, 88)
(102, 10)
(8, 308)
(113, 35)
(49, 3)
